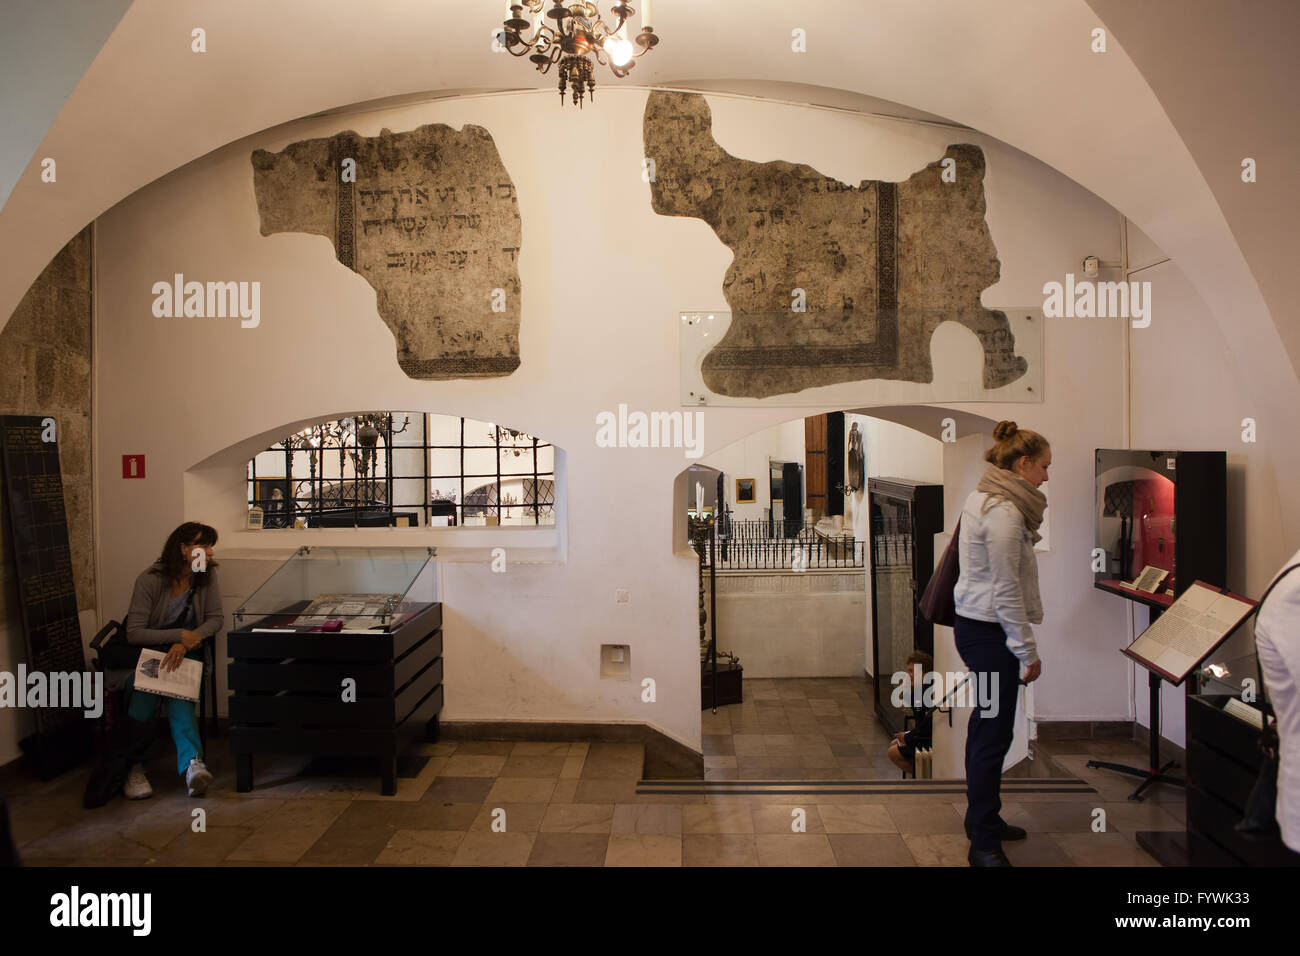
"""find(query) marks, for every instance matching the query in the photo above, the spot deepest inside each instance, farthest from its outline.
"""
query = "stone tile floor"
(798, 729)
(492, 803)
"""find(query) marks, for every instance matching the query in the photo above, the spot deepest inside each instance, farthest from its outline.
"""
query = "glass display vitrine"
(1164, 512)
(343, 589)
(338, 653)
(905, 517)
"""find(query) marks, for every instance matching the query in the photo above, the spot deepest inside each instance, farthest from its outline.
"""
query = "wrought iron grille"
(348, 473)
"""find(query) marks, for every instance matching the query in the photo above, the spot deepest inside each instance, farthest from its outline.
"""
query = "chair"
(115, 705)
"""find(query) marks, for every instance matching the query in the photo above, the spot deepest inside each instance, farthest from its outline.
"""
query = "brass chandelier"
(575, 37)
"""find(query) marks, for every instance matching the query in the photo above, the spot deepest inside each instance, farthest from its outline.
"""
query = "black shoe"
(987, 857)
(1008, 833)
(1012, 833)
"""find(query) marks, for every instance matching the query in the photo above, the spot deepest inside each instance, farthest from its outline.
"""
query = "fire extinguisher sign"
(133, 466)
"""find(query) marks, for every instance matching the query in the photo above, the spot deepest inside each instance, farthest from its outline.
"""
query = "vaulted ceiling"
(1155, 126)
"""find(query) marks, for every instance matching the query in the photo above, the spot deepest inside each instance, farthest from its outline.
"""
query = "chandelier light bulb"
(619, 49)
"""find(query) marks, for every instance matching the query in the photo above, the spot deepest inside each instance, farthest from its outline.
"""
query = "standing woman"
(996, 600)
(1277, 639)
(174, 608)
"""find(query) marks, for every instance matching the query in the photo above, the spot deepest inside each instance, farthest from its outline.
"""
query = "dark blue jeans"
(983, 648)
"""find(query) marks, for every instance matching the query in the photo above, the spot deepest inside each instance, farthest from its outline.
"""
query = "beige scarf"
(1000, 483)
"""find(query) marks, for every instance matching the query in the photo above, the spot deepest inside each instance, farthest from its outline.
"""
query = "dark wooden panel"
(835, 451)
(814, 446)
(414, 692)
(1228, 779)
(302, 710)
(253, 675)
(1214, 728)
(310, 646)
(1214, 819)
(424, 711)
(414, 660)
(416, 630)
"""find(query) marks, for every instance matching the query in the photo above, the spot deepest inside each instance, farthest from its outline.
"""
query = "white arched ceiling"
(1019, 70)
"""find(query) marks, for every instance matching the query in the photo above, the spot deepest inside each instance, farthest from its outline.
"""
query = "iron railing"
(746, 546)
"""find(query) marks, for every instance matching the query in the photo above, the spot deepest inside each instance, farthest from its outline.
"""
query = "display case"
(339, 652)
(1160, 510)
(1223, 762)
(905, 517)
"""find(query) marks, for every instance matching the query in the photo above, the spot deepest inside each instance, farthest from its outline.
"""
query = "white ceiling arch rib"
(1019, 70)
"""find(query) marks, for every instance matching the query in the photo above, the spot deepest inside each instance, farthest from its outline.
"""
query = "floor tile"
(647, 818)
(712, 818)
(521, 790)
(494, 849)
(856, 818)
(605, 790)
(781, 818)
(473, 765)
(421, 848)
(459, 789)
(643, 849)
(569, 849)
(870, 849)
(925, 818)
(719, 849)
(794, 849)
(514, 817)
(938, 849)
(530, 748)
(1103, 849)
(578, 818)
(499, 748)
(547, 766)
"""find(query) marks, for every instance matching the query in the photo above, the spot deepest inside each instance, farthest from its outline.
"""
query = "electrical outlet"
(620, 596)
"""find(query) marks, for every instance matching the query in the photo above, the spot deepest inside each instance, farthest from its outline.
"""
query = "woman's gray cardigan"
(149, 601)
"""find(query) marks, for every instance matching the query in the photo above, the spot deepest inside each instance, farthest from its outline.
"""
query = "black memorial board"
(42, 559)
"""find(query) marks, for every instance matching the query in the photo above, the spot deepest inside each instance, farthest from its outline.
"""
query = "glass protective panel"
(363, 588)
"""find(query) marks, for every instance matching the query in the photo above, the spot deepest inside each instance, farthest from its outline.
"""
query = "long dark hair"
(174, 563)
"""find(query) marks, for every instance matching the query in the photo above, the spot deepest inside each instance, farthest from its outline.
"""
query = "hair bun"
(1004, 430)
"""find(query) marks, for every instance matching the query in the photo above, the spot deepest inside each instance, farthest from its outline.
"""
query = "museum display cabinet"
(338, 653)
(1164, 510)
(1223, 760)
(905, 517)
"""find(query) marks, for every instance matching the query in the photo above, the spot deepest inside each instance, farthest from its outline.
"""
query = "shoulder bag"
(937, 603)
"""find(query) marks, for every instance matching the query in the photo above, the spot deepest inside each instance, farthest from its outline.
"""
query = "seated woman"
(175, 608)
(902, 749)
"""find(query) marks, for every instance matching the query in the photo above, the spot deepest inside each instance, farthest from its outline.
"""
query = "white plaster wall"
(523, 645)
(748, 458)
(1204, 411)
(792, 625)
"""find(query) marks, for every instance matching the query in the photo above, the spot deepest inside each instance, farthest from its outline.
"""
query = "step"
(879, 787)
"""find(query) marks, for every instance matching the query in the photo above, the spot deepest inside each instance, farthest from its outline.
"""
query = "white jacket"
(999, 573)
(1277, 638)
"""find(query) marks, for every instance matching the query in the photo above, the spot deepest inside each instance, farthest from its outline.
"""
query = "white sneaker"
(197, 777)
(137, 784)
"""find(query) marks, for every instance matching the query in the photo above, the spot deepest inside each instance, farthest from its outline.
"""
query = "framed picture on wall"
(272, 496)
(744, 491)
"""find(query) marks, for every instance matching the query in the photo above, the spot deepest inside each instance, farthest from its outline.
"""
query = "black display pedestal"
(729, 684)
(1223, 759)
(286, 693)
